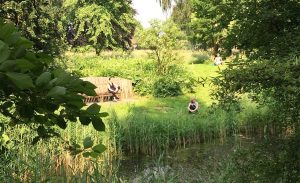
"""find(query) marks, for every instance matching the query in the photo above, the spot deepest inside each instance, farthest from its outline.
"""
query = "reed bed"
(129, 131)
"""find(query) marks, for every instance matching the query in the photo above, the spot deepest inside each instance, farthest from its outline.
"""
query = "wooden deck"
(103, 95)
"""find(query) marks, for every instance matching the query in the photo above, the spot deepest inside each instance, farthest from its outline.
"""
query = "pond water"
(191, 164)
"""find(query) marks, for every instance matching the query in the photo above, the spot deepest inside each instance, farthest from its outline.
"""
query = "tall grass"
(132, 128)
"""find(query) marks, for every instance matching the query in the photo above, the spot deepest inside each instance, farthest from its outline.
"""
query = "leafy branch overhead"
(35, 94)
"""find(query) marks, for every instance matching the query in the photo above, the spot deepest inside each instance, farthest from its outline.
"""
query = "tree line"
(51, 24)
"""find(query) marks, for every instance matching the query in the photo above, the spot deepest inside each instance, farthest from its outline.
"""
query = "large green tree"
(39, 20)
(181, 15)
(266, 28)
(209, 23)
(105, 24)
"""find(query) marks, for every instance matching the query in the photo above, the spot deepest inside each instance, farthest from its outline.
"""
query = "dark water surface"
(191, 164)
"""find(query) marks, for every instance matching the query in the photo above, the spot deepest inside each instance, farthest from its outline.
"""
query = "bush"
(166, 86)
(200, 58)
(274, 160)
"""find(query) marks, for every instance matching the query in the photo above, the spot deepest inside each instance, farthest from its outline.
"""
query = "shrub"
(166, 86)
(200, 58)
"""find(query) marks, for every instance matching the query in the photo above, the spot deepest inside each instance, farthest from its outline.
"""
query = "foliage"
(230, 24)
(270, 161)
(59, 159)
(166, 87)
(209, 22)
(39, 21)
(264, 28)
(269, 76)
(37, 94)
(200, 58)
(269, 83)
(142, 71)
(165, 4)
(104, 24)
(181, 15)
(163, 39)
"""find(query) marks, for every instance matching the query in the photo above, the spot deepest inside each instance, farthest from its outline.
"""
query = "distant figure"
(70, 34)
(218, 61)
(193, 106)
(113, 89)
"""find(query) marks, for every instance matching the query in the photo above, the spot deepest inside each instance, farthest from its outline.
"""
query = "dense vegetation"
(255, 95)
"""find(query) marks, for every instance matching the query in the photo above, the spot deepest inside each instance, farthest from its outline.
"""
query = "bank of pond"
(134, 137)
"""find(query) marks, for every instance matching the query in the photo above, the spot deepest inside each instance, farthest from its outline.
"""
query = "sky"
(148, 10)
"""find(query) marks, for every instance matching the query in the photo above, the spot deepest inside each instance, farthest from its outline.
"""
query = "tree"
(269, 74)
(162, 39)
(165, 4)
(209, 23)
(39, 21)
(37, 94)
(104, 24)
(264, 28)
(181, 15)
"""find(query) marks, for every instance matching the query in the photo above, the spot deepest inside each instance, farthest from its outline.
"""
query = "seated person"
(113, 89)
(193, 106)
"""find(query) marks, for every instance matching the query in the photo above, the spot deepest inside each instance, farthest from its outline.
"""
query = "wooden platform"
(102, 91)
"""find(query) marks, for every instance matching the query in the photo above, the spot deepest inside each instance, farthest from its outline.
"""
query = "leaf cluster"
(34, 94)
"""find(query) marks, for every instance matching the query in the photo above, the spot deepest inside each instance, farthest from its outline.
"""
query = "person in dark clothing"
(193, 106)
(113, 89)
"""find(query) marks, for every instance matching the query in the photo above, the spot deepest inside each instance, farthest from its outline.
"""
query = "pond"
(191, 164)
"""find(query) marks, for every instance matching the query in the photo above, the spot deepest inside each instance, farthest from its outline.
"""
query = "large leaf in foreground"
(22, 81)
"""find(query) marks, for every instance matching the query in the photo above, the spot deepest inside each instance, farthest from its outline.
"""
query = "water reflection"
(191, 164)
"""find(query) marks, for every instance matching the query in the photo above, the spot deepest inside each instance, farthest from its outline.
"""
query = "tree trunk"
(216, 49)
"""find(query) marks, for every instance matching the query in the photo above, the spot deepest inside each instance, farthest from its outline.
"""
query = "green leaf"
(88, 88)
(43, 79)
(8, 65)
(7, 104)
(103, 114)
(76, 151)
(6, 30)
(4, 138)
(35, 140)
(98, 124)
(24, 65)
(94, 154)
(76, 146)
(57, 91)
(61, 123)
(100, 148)
(24, 42)
(41, 131)
(20, 52)
(93, 109)
(22, 81)
(86, 154)
(87, 142)
(4, 51)
(13, 38)
(85, 120)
